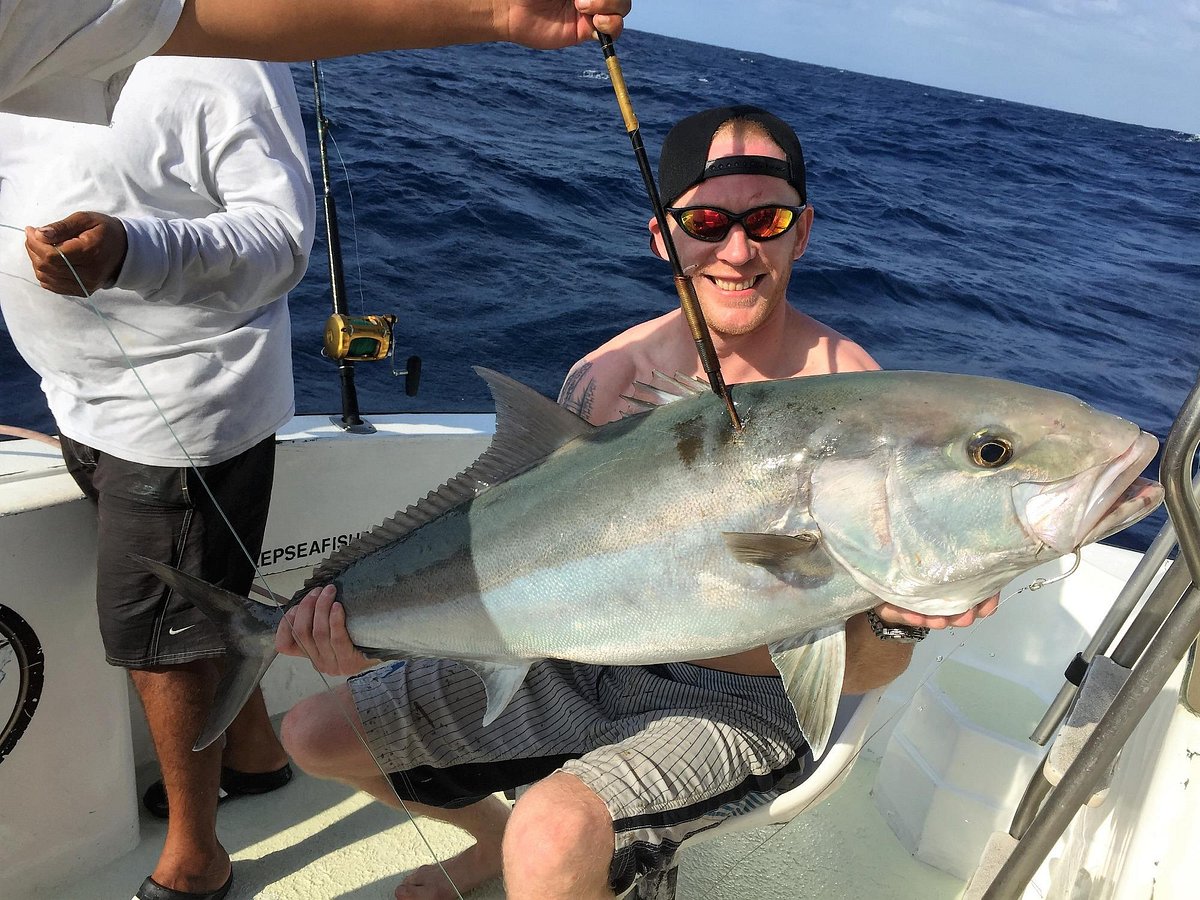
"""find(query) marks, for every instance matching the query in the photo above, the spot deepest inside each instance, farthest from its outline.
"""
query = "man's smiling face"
(740, 282)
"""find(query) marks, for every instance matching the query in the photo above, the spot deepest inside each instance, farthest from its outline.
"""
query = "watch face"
(20, 678)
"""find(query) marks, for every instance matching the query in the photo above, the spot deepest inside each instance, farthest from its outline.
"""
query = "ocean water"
(488, 197)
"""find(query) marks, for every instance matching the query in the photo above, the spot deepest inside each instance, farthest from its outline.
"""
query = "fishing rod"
(350, 339)
(683, 282)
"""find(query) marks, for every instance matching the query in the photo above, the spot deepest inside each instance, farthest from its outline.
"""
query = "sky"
(1134, 61)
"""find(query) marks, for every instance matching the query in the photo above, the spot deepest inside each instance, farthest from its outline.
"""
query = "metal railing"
(1152, 648)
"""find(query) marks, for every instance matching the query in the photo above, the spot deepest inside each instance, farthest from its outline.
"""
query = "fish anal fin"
(812, 667)
(501, 681)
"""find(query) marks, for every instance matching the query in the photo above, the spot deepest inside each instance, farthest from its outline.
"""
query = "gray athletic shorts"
(671, 749)
(166, 514)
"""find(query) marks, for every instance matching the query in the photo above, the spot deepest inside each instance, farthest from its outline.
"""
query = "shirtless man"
(733, 179)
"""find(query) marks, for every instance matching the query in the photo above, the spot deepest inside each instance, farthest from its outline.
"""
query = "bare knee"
(559, 841)
(319, 739)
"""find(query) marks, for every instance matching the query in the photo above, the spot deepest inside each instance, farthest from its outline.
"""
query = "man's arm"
(249, 252)
(296, 30)
(872, 662)
(592, 389)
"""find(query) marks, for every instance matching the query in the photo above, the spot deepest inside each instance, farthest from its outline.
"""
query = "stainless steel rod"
(1146, 681)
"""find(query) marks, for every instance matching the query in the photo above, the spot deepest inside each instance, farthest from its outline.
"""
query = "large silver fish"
(668, 536)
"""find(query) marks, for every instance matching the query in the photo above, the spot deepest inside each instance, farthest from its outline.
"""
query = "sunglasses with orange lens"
(711, 223)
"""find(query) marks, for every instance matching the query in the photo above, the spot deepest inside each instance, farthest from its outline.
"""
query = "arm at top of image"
(70, 60)
(296, 30)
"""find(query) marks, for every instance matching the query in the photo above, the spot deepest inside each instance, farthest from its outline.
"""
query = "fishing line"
(362, 300)
(245, 552)
(941, 659)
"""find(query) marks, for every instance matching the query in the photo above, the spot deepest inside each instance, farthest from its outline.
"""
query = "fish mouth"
(1118, 497)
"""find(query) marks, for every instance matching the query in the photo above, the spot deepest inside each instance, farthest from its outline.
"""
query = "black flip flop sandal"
(152, 890)
(233, 784)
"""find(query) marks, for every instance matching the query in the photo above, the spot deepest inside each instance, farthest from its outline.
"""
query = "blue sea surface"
(491, 200)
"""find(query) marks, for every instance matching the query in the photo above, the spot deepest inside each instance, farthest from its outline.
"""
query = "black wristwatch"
(886, 631)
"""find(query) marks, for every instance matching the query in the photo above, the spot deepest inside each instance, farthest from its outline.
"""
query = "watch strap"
(888, 631)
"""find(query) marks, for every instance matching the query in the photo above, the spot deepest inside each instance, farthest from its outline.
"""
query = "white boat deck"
(317, 840)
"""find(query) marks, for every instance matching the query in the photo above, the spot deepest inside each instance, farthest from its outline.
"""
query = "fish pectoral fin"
(500, 681)
(812, 667)
(783, 555)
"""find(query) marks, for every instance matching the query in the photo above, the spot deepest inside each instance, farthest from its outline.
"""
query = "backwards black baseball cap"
(684, 159)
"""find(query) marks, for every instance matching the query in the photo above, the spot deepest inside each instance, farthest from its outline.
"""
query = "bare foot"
(468, 870)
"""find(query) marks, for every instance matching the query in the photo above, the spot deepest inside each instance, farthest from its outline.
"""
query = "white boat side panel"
(67, 788)
(32, 475)
(413, 425)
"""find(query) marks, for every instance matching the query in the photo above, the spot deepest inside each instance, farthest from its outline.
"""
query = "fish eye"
(989, 451)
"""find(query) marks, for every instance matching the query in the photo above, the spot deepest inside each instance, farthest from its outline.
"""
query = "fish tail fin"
(248, 629)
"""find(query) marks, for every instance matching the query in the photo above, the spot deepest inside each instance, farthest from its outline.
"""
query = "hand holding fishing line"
(85, 250)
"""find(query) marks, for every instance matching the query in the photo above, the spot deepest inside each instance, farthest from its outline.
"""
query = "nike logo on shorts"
(174, 631)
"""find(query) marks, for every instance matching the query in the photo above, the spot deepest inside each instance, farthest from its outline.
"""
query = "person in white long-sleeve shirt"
(70, 60)
(187, 220)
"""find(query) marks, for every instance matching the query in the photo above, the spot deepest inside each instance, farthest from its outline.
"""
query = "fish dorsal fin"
(663, 389)
(813, 666)
(529, 427)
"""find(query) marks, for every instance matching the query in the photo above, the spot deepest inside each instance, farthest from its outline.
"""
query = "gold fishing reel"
(368, 339)
(358, 338)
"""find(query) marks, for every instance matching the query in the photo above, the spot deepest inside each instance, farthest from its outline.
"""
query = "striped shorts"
(671, 749)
